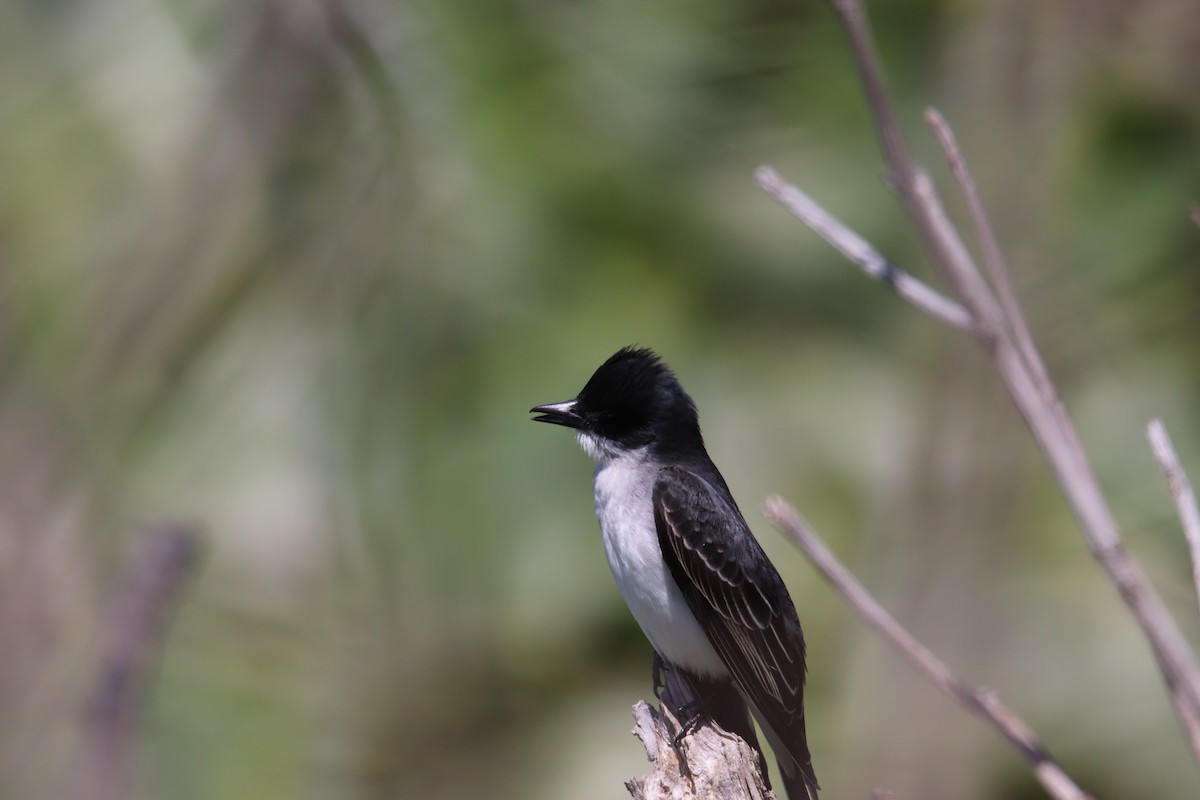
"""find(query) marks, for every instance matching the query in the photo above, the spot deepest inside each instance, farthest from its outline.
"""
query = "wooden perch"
(708, 763)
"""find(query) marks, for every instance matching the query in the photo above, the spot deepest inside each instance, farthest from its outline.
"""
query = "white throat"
(602, 451)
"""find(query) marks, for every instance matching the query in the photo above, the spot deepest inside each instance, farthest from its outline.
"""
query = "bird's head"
(631, 402)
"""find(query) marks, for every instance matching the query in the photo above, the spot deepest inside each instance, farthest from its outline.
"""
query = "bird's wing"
(739, 600)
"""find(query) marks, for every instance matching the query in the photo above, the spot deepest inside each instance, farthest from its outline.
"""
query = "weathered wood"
(709, 763)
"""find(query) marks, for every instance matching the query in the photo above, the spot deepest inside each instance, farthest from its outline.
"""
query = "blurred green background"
(296, 269)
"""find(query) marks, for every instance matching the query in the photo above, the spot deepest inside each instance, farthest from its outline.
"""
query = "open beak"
(558, 414)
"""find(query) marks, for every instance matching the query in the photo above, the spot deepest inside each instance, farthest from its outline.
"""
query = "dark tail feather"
(800, 781)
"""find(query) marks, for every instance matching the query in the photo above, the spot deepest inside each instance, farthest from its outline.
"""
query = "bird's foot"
(690, 716)
(658, 681)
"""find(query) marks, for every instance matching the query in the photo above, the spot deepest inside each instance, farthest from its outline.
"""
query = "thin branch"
(956, 261)
(910, 181)
(981, 702)
(1046, 417)
(1040, 406)
(858, 31)
(993, 257)
(133, 639)
(903, 172)
(859, 251)
(1060, 444)
(1043, 410)
(1047, 420)
(1181, 491)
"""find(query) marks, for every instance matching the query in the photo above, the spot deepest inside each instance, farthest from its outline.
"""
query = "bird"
(697, 582)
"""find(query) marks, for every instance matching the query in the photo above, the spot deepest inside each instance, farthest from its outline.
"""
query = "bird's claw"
(690, 717)
(658, 680)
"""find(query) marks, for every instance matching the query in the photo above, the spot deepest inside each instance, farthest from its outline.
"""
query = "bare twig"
(993, 257)
(1044, 414)
(982, 702)
(858, 31)
(133, 638)
(1055, 434)
(903, 173)
(956, 261)
(1181, 491)
(859, 251)
(1038, 404)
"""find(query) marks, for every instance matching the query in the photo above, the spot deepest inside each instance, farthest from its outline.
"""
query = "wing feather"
(738, 598)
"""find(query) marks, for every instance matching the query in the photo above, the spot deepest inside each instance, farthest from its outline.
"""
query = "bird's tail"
(799, 780)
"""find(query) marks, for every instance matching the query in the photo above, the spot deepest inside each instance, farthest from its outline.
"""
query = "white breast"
(625, 509)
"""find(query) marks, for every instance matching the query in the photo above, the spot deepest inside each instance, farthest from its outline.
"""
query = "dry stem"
(993, 256)
(1181, 491)
(982, 702)
(858, 250)
(1001, 330)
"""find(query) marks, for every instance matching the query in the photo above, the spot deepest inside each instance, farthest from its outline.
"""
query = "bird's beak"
(558, 414)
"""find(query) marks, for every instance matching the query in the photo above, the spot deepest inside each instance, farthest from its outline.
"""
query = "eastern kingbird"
(697, 581)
